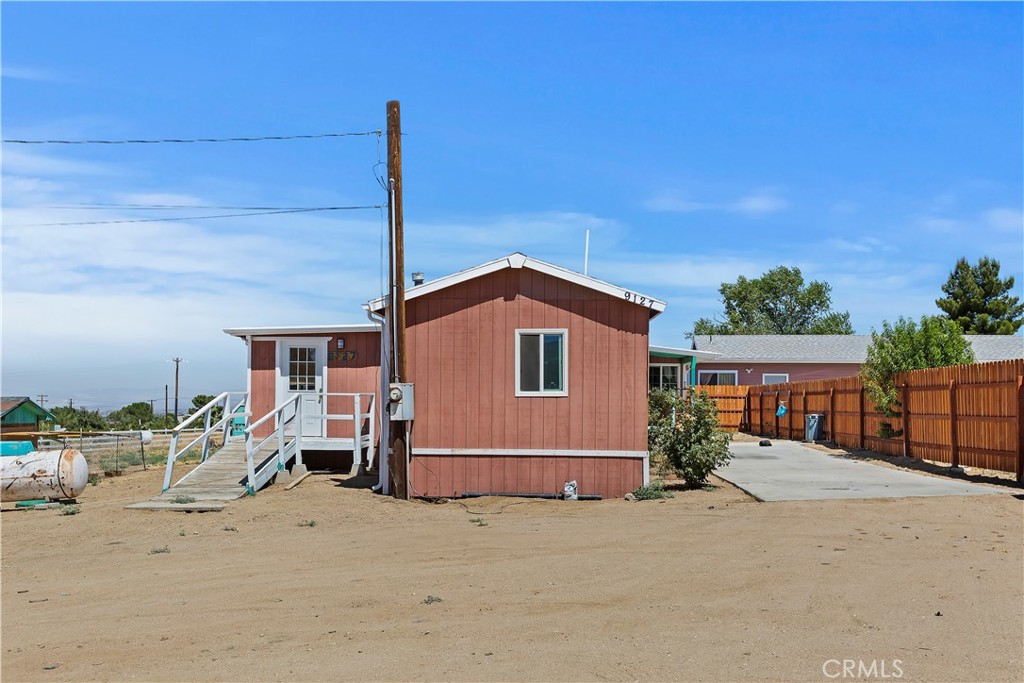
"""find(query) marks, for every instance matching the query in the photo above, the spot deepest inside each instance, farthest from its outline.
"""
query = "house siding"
(461, 346)
(798, 372)
(263, 380)
(360, 375)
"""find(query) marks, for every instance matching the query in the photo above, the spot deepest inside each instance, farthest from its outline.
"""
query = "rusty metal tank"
(50, 475)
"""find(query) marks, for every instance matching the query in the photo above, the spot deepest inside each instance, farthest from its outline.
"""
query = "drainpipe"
(384, 436)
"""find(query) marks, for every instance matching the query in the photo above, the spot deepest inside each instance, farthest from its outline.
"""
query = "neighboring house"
(671, 368)
(22, 414)
(526, 374)
(772, 359)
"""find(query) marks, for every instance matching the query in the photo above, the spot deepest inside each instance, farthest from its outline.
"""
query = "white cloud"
(1005, 219)
(756, 204)
(940, 224)
(672, 202)
(861, 245)
(759, 204)
(22, 162)
(662, 273)
(27, 73)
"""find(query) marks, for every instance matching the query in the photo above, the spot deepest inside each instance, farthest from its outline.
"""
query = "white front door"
(302, 373)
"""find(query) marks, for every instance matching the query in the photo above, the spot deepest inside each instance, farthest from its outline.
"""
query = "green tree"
(79, 420)
(778, 302)
(133, 416)
(979, 301)
(937, 342)
(201, 400)
(684, 434)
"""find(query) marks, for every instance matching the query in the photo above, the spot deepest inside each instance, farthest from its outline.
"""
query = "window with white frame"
(775, 378)
(663, 376)
(717, 377)
(542, 362)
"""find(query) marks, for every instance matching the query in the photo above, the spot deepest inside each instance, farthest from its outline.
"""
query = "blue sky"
(871, 145)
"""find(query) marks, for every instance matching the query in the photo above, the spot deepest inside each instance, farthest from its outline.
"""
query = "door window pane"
(302, 368)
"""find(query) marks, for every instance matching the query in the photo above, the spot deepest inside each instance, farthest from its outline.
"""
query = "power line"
(154, 207)
(199, 218)
(191, 140)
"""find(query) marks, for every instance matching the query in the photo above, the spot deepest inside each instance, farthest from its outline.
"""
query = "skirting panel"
(452, 475)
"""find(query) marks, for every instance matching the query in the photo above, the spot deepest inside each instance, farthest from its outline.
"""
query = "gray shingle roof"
(989, 347)
(831, 348)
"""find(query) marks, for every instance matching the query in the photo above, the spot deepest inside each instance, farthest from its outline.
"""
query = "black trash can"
(815, 427)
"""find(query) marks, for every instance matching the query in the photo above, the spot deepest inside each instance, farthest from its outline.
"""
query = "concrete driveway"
(788, 470)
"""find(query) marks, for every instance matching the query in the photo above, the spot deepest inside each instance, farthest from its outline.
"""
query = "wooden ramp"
(221, 478)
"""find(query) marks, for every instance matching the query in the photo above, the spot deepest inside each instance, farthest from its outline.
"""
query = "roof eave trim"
(300, 329)
(517, 261)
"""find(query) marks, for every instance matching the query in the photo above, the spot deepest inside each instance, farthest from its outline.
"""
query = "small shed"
(22, 414)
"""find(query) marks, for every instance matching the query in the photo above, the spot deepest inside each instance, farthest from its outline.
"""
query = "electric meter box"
(401, 403)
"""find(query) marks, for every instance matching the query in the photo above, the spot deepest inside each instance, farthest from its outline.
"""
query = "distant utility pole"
(71, 403)
(399, 454)
(177, 367)
(42, 400)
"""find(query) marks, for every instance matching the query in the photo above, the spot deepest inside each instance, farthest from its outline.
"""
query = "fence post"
(1020, 430)
(905, 396)
(954, 445)
(860, 418)
(789, 414)
(777, 395)
(831, 422)
(805, 414)
(760, 414)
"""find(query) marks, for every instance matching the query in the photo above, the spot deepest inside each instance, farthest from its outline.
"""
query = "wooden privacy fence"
(970, 415)
(731, 402)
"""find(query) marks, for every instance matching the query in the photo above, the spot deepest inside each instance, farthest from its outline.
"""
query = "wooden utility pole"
(42, 400)
(177, 367)
(399, 456)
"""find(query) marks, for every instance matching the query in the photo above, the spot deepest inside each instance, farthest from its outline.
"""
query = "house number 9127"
(637, 299)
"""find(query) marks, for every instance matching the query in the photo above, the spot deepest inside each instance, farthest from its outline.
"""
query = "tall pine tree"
(979, 301)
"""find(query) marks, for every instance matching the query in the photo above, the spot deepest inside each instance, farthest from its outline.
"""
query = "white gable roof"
(517, 260)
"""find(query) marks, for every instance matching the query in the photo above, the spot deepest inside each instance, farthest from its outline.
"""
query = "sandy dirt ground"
(707, 586)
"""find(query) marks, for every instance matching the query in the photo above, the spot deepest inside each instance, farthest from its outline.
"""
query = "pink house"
(526, 375)
(777, 358)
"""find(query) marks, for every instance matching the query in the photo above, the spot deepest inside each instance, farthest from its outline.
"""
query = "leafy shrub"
(70, 510)
(937, 342)
(653, 491)
(685, 433)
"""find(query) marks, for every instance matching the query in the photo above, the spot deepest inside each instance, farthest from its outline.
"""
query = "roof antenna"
(586, 252)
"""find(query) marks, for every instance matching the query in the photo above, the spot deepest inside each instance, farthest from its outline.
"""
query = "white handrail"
(284, 452)
(223, 401)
